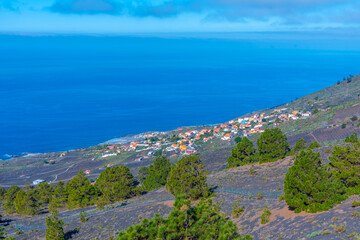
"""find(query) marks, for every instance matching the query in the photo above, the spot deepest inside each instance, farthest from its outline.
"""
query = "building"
(38, 181)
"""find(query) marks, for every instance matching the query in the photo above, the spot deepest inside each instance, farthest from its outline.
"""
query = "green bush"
(242, 154)
(237, 209)
(310, 187)
(314, 145)
(186, 222)
(355, 203)
(188, 178)
(265, 216)
(272, 145)
(158, 173)
(83, 217)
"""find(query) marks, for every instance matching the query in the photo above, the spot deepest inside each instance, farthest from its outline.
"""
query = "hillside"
(257, 188)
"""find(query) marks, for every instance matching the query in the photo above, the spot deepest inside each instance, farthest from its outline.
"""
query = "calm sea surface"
(65, 92)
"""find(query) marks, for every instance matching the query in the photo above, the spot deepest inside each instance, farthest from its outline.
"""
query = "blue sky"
(141, 16)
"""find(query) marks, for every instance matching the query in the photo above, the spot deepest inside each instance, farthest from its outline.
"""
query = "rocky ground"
(257, 188)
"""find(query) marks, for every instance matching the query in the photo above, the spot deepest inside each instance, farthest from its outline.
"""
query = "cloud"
(12, 5)
(288, 12)
(86, 7)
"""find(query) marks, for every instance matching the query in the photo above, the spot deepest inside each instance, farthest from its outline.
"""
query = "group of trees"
(114, 184)
(185, 221)
(272, 145)
(312, 186)
(187, 177)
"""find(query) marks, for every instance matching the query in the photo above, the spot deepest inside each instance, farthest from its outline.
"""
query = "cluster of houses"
(187, 139)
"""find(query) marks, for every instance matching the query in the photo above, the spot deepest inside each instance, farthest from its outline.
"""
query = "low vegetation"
(203, 221)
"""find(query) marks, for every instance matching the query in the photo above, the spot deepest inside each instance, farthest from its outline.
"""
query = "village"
(186, 140)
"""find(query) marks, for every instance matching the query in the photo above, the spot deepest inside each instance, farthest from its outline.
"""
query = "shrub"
(314, 145)
(310, 187)
(355, 203)
(185, 222)
(355, 214)
(315, 234)
(158, 173)
(237, 209)
(242, 154)
(83, 217)
(237, 139)
(345, 162)
(252, 171)
(272, 145)
(354, 118)
(188, 178)
(343, 125)
(265, 216)
(259, 196)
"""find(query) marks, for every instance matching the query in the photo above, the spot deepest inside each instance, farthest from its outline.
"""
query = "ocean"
(62, 92)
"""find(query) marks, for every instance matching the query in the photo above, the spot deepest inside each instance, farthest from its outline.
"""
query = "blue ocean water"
(64, 92)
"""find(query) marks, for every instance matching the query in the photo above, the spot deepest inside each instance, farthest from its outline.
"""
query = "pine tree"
(2, 193)
(352, 139)
(143, 173)
(26, 203)
(188, 177)
(115, 183)
(54, 228)
(80, 192)
(345, 161)
(44, 191)
(299, 146)
(243, 154)
(58, 198)
(9, 198)
(272, 145)
(311, 187)
(186, 222)
(158, 173)
(314, 145)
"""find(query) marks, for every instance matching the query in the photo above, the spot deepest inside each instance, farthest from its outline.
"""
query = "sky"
(149, 16)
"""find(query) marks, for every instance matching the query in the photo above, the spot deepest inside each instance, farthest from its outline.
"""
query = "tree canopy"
(158, 173)
(9, 197)
(242, 154)
(115, 183)
(186, 222)
(54, 228)
(272, 145)
(80, 192)
(345, 161)
(299, 146)
(188, 178)
(311, 187)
